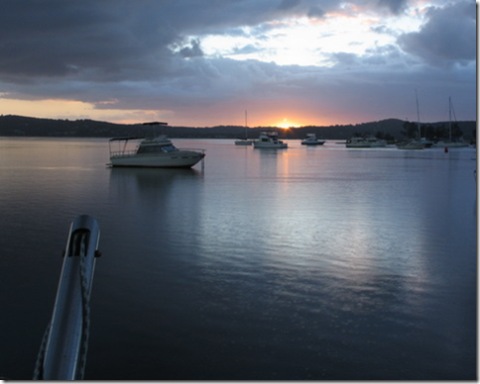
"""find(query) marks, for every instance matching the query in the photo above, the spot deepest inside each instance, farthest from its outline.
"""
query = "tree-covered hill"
(392, 129)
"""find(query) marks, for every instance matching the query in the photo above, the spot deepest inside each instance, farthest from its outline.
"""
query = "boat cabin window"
(168, 148)
(156, 148)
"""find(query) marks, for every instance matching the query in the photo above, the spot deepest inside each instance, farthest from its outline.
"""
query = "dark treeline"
(390, 129)
(438, 131)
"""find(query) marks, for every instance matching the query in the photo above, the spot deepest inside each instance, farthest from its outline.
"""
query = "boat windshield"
(169, 148)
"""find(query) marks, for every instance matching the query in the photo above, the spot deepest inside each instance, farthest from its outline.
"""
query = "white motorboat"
(269, 140)
(158, 152)
(311, 139)
(365, 142)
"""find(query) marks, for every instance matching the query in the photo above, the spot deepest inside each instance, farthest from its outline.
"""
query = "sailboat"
(414, 143)
(450, 143)
(244, 141)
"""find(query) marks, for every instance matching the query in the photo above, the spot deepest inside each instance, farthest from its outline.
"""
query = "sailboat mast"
(246, 125)
(418, 114)
(451, 112)
(449, 119)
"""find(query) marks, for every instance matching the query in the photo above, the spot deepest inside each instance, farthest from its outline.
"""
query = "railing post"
(65, 351)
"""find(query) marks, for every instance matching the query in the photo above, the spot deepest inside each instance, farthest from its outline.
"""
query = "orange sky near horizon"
(78, 110)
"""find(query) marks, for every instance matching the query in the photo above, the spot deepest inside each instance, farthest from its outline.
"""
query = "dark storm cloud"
(448, 37)
(107, 39)
(113, 40)
(121, 50)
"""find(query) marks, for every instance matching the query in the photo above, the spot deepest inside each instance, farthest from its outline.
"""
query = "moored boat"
(269, 140)
(365, 142)
(244, 141)
(156, 152)
(414, 143)
(451, 143)
(426, 143)
(411, 144)
(311, 139)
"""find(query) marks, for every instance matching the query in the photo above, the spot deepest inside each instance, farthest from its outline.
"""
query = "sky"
(202, 63)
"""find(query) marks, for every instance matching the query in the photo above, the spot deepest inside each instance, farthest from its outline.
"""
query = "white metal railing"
(122, 153)
(63, 351)
(133, 152)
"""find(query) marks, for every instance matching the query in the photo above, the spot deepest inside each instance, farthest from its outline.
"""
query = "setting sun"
(286, 124)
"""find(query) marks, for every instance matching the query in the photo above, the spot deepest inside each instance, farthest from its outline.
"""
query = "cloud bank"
(198, 63)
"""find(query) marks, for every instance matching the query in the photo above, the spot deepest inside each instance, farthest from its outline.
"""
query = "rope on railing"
(85, 320)
(38, 370)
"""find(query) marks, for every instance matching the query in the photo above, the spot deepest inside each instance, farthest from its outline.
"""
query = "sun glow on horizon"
(285, 123)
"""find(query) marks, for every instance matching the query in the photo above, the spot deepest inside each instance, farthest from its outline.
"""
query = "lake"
(318, 263)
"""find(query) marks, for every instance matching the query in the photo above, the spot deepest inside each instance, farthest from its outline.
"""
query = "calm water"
(307, 263)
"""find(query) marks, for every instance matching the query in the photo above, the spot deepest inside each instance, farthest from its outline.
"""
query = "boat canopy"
(125, 138)
(155, 123)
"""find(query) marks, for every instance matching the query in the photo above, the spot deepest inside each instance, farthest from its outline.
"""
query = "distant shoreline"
(21, 126)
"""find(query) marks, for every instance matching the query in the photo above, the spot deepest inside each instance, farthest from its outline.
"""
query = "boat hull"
(451, 144)
(411, 145)
(365, 143)
(313, 143)
(243, 142)
(179, 159)
(269, 146)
